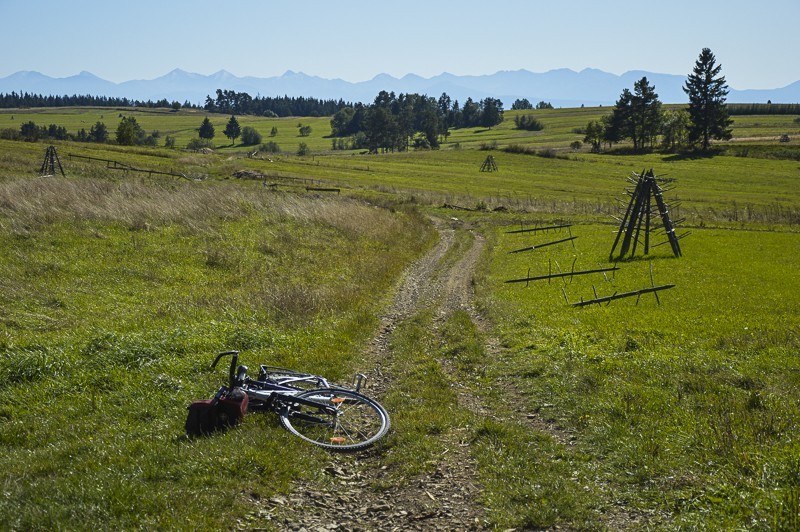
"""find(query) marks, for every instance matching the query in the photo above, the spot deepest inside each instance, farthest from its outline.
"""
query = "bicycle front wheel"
(339, 420)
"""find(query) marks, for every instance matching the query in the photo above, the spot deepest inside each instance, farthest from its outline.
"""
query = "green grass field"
(117, 288)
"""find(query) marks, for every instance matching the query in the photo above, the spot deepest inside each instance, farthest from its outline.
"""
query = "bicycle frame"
(268, 391)
(337, 418)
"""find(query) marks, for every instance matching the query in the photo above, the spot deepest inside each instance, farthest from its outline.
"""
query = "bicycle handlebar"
(232, 370)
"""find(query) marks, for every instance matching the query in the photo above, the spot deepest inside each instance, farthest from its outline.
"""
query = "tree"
(707, 110)
(232, 129)
(206, 129)
(470, 113)
(674, 128)
(129, 132)
(636, 116)
(646, 114)
(594, 135)
(521, 105)
(303, 130)
(491, 112)
(544, 105)
(528, 123)
(98, 133)
(380, 128)
(340, 122)
(29, 131)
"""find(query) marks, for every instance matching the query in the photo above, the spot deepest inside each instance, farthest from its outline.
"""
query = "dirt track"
(352, 495)
(447, 499)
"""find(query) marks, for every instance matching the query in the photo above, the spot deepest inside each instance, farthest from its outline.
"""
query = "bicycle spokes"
(337, 419)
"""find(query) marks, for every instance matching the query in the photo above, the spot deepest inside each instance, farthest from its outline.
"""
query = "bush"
(199, 144)
(303, 149)
(519, 148)
(528, 123)
(250, 136)
(9, 133)
(270, 147)
(486, 146)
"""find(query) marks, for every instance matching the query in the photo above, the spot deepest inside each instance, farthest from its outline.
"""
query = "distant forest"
(227, 102)
(241, 103)
(14, 100)
(764, 108)
(231, 102)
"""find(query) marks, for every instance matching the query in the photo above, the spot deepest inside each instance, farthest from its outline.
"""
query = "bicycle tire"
(358, 423)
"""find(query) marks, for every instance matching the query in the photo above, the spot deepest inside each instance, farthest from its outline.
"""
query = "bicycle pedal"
(359, 380)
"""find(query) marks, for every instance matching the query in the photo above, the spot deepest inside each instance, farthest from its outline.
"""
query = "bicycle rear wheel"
(339, 420)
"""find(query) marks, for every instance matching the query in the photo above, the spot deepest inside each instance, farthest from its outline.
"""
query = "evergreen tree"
(98, 132)
(707, 110)
(232, 129)
(129, 132)
(206, 129)
(491, 112)
(646, 114)
(636, 115)
(521, 105)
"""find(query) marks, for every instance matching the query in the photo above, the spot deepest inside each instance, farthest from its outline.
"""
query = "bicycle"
(330, 416)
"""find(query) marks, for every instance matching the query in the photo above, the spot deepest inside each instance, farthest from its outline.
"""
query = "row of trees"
(638, 115)
(396, 122)
(128, 133)
(15, 100)
(241, 103)
(522, 104)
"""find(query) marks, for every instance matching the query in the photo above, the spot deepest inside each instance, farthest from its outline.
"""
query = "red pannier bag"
(222, 412)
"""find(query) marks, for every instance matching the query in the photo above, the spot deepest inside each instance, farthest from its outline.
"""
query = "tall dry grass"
(26, 204)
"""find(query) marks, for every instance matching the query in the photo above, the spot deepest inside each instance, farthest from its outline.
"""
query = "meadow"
(117, 288)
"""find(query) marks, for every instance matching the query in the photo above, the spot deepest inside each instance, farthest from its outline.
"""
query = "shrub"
(303, 149)
(199, 144)
(270, 147)
(528, 123)
(9, 133)
(250, 136)
(519, 148)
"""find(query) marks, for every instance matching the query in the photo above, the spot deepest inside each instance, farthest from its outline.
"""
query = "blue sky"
(755, 42)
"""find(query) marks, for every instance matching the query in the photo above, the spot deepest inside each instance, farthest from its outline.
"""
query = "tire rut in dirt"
(349, 499)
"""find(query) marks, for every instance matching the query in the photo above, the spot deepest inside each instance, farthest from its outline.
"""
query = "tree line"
(241, 103)
(768, 108)
(15, 100)
(398, 122)
(128, 133)
(638, 116)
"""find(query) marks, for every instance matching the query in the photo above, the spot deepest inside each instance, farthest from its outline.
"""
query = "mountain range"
(560, 87)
